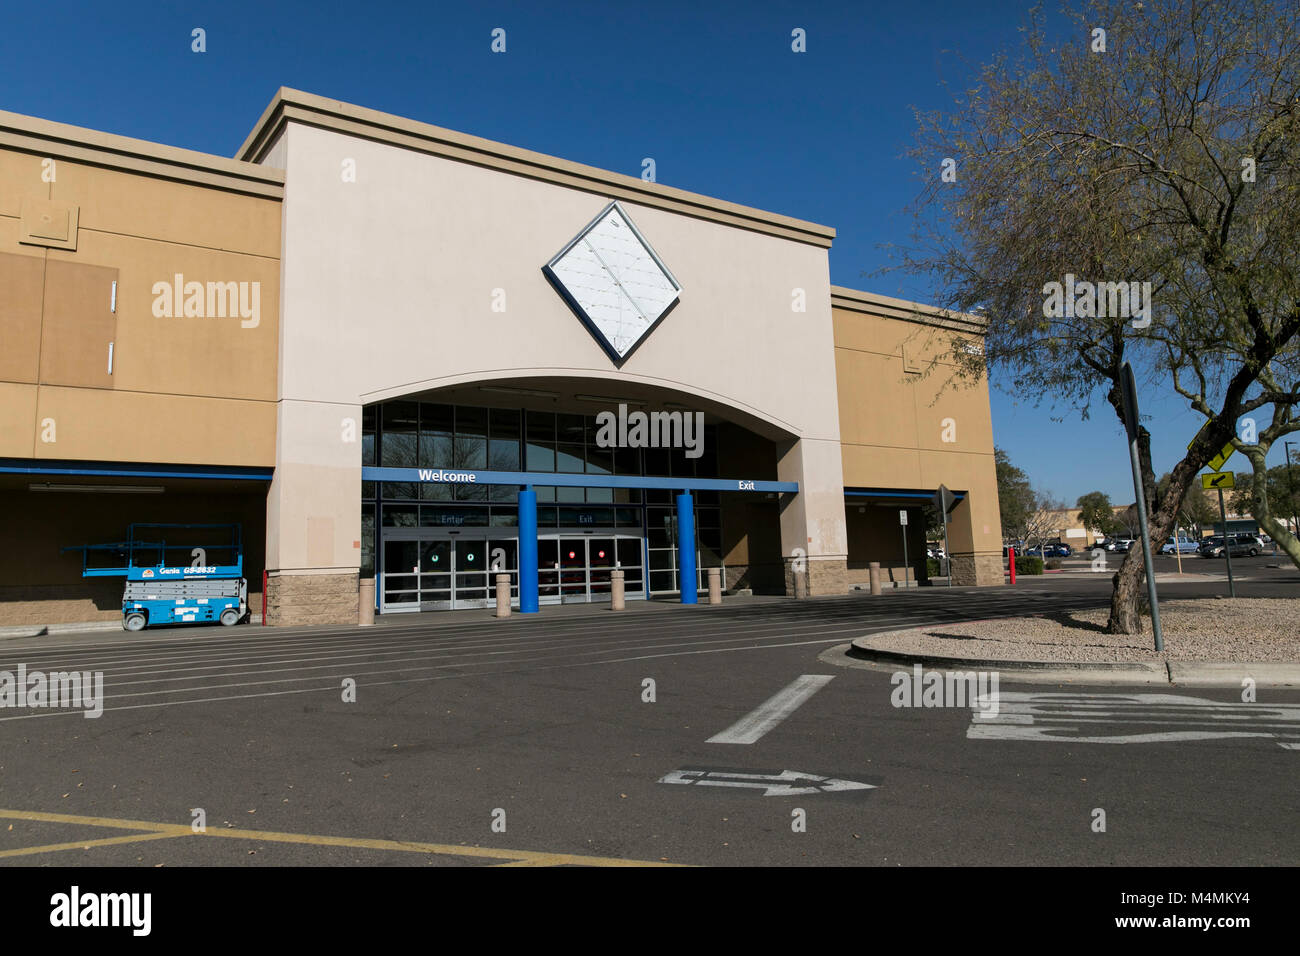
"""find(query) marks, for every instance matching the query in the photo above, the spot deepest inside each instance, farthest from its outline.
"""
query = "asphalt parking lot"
(472, 741)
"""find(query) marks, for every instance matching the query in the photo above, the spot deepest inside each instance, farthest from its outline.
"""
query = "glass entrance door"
(427, 573)
(576, 569)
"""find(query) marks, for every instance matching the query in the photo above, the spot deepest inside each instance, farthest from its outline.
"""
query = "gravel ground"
(1241, 630)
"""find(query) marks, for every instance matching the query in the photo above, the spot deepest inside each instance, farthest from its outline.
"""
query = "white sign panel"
(613, 280)
(902, 517)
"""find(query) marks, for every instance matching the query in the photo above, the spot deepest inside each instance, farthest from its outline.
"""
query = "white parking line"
(772, 711)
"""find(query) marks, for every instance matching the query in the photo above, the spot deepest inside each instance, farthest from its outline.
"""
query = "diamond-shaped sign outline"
(549, 271)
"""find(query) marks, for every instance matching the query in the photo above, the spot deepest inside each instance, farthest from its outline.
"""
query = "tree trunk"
(1130, 581)
(1264, 512)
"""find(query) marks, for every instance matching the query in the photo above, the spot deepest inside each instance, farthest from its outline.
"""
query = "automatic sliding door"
(471, 563)
(600, 559)
(573, 570)
(435, 575)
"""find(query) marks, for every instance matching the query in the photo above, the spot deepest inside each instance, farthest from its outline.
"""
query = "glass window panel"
(450, 516)
(627, 496)
(546, 517)
(503, 455)
(504, 423)
(545, 493)
(468, 492)
(627, 461)
(570, 428)
(708, 518)
(656, 462)
(541, 426)
(657, 496)
(435, 491)
(471, 422)
(600, 461)
(707, 497)
(662, 581)
(629, 552)
(397, 489)
(436, 419)
(601, 495)
(502, 493)
(586, 517)
(540, 457)
(400, 516)
(470, 452)
(368, 489)
(568, 458)
(682, 466)
(504, 518)
(401, 421)
(570, 494)
(707, 464)
(435, 451)
(627, 517)
(657, 537)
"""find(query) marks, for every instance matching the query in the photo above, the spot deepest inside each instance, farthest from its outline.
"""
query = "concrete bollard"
(616, 596)
(873, 570)
(366, 605)
(800, 585)
(503, 594)
(715, 585)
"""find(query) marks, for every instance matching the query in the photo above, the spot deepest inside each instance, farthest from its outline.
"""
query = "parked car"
(1237, 545)
(1183, 545)
(1105, 544)
(1123, 544)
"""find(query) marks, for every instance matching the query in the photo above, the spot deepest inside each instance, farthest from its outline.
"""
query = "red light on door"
(600, 554)
(572, 554)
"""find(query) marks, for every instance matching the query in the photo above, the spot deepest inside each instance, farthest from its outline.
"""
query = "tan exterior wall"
(197, 390)
(900, 404)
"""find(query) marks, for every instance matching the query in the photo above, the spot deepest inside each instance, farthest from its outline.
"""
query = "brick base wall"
(312, 598)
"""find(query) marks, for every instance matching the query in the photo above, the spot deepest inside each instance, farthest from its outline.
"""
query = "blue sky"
(711, 91)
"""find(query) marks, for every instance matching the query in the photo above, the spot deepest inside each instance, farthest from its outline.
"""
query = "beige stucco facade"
(396, 260)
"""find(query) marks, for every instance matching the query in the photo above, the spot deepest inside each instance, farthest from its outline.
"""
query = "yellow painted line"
(521, 857)
(87, 844)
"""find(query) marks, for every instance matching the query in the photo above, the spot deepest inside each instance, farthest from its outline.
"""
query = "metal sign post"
(1128, 390)
(902, 521)
(944, 500)
(1227, 545)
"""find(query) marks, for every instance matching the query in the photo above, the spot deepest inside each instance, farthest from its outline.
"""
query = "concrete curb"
(1186, 673)
(82, 627)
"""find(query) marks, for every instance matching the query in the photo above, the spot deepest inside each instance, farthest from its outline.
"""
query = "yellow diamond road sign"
(1225, 479)
(1218, 460)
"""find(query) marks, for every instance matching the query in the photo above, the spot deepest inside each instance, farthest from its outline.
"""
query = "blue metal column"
(527, 550)
(686, 575)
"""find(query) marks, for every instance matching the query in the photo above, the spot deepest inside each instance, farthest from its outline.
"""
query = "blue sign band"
(464, 476)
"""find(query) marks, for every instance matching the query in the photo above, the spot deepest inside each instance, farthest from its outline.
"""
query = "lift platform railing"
(167, 552)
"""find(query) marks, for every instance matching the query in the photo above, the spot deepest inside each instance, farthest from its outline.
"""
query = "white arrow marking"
(772, 711)
(1065, 718)
(772, 784)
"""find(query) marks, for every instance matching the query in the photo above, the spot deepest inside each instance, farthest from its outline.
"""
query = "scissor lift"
(197, 576)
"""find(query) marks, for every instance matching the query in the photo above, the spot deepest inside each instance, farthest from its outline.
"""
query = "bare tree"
(1128, 191)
